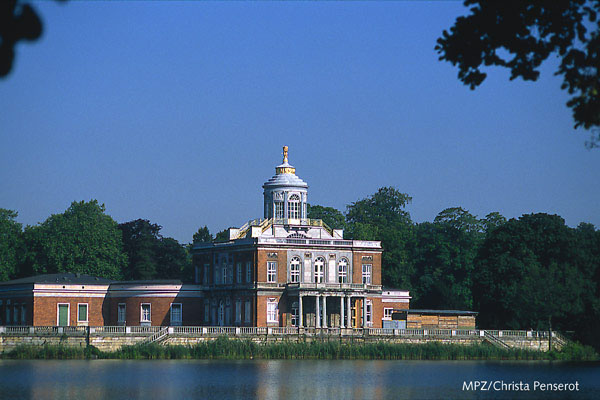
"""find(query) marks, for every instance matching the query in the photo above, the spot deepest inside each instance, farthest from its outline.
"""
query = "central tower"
(285, 194)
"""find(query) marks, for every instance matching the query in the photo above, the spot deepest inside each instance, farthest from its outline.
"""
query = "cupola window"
(294, 207)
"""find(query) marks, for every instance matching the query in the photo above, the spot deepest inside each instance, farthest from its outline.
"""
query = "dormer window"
(294, 207)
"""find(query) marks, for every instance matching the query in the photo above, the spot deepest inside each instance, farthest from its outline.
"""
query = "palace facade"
(288, 270)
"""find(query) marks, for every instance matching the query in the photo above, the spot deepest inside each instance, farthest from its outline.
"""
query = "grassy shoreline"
(224, 348)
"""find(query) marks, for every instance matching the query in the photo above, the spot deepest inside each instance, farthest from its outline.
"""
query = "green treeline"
(532, 272)
(224, 348)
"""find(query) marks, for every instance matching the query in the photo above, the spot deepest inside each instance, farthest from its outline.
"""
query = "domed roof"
(285, 175)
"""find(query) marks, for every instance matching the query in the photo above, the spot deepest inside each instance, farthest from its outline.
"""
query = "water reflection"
(279, 379)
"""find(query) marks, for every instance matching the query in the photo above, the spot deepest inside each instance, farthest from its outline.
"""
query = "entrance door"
(63, 315)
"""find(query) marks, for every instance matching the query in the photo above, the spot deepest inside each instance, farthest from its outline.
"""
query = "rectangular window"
(366, 273)
(7, 315)
(278, 210)
(206, 274)
(145, 313)
(16, 314)
(369, 313)
(387, 313)
(63, 317)
(271, 271)
(293, 210)
(272, 311)
(176, 314)
(197, 274)
(248, 272)
(238, 273)
(238, 310)
(23, 314)
(225, 279)
(216, 275)
(247, 311)
(82, 312)
(294, 314)
(121, 309)
(206, 311)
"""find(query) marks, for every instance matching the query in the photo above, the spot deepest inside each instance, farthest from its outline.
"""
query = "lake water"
(283, 379)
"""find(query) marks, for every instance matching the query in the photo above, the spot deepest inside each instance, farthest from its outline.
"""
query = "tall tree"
(528, 274)
(331, 216)
(520, 35)
(83, 239)
(152, 256)
(444, 260)
(11, 244)
(382, 217)
(202, 236)
(140, 240)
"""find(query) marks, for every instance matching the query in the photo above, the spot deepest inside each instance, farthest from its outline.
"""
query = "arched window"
(294, 207)
(319, 267)
(295, 270)
(343, 271)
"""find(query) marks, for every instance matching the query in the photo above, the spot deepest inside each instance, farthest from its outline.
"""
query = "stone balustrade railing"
(249, 331)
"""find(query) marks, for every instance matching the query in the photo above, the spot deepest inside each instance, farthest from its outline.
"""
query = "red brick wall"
(262, 258)
(261, 311)
(45, 311)
(375, 269)
(160, 307)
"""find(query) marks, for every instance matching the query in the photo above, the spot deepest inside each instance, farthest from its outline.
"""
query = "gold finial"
(285, 169)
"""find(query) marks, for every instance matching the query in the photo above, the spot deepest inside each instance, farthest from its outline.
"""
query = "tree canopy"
(331, 216)
(83, 239)
(152, 256)
(520, 35)
(11, 243)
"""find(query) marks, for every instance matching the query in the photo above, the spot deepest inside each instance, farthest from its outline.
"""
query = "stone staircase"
(495, 340)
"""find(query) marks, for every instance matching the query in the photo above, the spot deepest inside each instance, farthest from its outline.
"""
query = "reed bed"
(223, 348)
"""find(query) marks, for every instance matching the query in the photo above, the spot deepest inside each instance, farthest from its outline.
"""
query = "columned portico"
(348, 312)
(324, 311)
(342, 315)
(318, 311)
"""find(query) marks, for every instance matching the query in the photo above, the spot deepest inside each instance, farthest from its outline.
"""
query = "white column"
(324, 311)
(342, 316)
(300, 311)
(364, 316)
(349, 312)
(318, 311)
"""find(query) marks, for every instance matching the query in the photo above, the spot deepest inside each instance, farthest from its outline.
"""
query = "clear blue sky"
(176, 113)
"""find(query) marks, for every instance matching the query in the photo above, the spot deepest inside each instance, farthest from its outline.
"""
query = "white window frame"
(343, 269)
(272, 271)
(238, 311)
(121, 317)
(294, 314)
(87, 312)
(319, 272)
(247, 311)
(58, 314)
(278, 214)
(272, 312)
(387, 313)
(295, 270)
(366, 273)
(294, 207)
(172, 320)
(238, 272)
(224, 271)
(369, 313)
(248, 272)
(149, 312)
